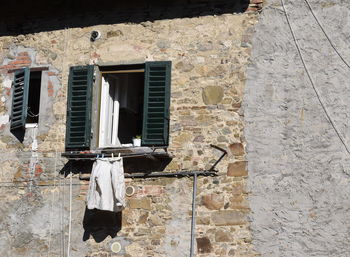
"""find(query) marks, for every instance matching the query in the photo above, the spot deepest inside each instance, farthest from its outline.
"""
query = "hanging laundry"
(118, 182)
(107, 185)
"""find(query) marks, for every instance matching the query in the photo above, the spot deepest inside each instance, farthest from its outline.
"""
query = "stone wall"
(209, 56)
(298, 167)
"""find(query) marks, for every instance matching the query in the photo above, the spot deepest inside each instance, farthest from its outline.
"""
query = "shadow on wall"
(19, 134)
(101, 224)
(131, 165)
(23, 17)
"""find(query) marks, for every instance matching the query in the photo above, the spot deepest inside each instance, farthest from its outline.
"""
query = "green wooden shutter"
(78, 126)
(20, 93)
(155, 130)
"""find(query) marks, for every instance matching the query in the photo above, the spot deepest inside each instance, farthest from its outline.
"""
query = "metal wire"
(325, 33)
(70, 214)
(62, 217)
(51, 214)
(312, 82)
(193, 223)
(32, 115)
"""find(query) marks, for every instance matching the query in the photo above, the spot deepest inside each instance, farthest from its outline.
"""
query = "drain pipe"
(193, 226)
(211, 170)
(34, 156)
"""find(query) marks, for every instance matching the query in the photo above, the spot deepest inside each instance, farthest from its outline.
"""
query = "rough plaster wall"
(298, 169)
(179, 227)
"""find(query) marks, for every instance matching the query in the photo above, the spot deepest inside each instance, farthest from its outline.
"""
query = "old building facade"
(265, 81)
(205, 47)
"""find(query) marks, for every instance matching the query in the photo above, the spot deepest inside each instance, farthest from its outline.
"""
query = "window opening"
(34, 97)
(121, 108)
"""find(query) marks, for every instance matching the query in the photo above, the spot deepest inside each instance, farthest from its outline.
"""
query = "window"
(122, 96)
(132, 100)
(25, 98)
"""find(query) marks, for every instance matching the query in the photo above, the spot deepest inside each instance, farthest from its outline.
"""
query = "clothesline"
(94, 156)
(20, 184)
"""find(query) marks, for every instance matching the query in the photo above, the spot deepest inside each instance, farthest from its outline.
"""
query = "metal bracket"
(218, 160)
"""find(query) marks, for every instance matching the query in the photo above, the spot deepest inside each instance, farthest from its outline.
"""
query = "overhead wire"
(61, 181)
(67, 37)
(70, 212)
(312, 82)
(325, 33)
(51, 214)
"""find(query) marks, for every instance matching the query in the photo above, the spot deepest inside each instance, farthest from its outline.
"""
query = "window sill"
(125, 152)
(31, 125)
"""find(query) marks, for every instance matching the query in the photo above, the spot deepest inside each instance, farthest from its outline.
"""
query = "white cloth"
(107, 186)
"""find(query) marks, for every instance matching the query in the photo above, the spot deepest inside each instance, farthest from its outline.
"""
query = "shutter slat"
(156, 104)
(78, 128)
(20, 99)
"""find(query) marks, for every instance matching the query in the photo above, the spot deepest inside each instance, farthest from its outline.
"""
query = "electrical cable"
(64, 71)
(62, 217)
(14, 186)
(32, 115)
(312, 82)
(325, 33)
(70, 213)
(51, 215)
(193, 221)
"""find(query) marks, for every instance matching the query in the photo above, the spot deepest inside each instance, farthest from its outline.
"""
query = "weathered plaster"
(298, 168)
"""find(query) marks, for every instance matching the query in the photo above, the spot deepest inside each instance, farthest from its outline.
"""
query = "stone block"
(155, 220)
(228, 218)
(217, 71)
(212, 94)
(222, 139)
(203, 220)
(232, 252)
(182, 139)
(239, 188)
(141, 203)
(155, 242)
(143, 218)
(213, 201)
(184, 66)
(237, 169)
(237, 149)
(204, 245)
(223, 236)
(114, 33)
(154, 190)
(238, 202)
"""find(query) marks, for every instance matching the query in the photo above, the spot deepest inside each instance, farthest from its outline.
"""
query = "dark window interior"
(34, 97)
(130, 116)
(128, 89)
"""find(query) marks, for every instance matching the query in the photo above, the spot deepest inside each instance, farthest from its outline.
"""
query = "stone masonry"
(209, 55)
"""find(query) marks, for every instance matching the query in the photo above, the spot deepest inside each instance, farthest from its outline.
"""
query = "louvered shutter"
(155, 131)
(78, 126)
(20, 90)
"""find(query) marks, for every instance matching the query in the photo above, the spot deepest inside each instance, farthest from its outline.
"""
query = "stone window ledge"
(126, 152)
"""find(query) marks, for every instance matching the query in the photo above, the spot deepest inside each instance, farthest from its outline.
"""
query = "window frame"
(103, 95)
(22, 114)
(92, 138)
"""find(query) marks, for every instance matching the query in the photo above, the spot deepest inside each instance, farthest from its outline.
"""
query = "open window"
(25, 107)
(131, 101)
(121, 108)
